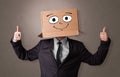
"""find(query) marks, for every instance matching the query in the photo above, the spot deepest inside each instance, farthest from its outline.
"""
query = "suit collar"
(70, 52)
(49, 44)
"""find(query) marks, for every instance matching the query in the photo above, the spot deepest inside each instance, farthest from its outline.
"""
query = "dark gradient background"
(93, 15)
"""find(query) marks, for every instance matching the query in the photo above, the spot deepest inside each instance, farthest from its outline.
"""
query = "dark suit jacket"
(69, 68)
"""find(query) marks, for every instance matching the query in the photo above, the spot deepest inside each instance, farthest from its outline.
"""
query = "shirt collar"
(64, 41)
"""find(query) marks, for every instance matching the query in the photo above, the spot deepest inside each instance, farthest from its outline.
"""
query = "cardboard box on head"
(59, 23)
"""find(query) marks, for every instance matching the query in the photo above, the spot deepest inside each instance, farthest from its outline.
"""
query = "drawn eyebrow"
(52, 14)
(49, 15)
(68, 12)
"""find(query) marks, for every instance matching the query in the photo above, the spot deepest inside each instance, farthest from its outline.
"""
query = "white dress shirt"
(65, 46)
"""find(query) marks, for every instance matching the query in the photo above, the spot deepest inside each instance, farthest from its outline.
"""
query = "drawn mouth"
(61, 28)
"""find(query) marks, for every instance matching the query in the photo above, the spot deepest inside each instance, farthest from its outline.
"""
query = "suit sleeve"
(97, 58)
(24, 54)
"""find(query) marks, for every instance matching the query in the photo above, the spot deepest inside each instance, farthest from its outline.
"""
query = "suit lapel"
(70, 53)
(48, 46)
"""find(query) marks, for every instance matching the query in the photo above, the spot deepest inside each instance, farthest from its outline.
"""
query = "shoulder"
(75, 42)
(46, 41)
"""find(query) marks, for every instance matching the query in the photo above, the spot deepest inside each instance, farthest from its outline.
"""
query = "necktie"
(59, 53)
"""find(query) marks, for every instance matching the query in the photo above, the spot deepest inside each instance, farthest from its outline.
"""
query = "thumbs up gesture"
(17, 34)
(104, 35)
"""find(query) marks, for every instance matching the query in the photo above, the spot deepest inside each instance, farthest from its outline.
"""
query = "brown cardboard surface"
(58, 23)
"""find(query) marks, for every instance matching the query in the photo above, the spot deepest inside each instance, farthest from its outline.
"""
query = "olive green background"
(93, 15)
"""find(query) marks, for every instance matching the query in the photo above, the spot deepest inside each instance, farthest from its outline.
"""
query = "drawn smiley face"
(60, 23)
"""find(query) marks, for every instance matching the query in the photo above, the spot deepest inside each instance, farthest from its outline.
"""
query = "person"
(73, 53)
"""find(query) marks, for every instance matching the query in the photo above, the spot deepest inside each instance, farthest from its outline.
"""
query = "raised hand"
(104, 35)
(17, 34)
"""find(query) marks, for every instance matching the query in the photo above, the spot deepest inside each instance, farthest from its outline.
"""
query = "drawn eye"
(67, 18)
(53, 19)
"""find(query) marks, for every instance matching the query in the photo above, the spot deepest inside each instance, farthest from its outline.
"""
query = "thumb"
(17, 29)
(104, 29)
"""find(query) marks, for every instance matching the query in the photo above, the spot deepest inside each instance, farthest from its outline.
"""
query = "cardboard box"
(59, 23)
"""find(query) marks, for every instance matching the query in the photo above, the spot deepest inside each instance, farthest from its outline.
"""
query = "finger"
(18, 28)
(104, 29)
(17, 34)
